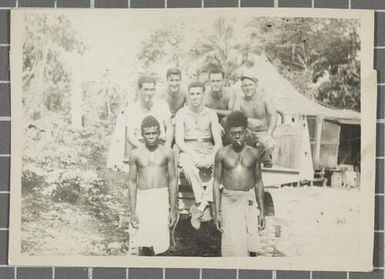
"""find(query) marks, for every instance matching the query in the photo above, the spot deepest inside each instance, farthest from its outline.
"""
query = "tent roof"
(289, 101)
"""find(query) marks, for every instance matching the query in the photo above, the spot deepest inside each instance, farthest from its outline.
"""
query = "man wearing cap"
(197, 134)
(261, 114)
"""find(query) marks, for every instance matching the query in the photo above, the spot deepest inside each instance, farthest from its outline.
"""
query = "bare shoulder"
(222, 152)
(135, 153)
(253, 151)
(167, 151)
(264, 96)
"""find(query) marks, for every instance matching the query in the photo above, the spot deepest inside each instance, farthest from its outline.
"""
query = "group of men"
(198, 123)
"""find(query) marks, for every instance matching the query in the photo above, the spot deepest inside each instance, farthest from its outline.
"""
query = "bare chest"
(175, 102)
(254, 109)
(152, 159)
(239, 162)
(217, 103)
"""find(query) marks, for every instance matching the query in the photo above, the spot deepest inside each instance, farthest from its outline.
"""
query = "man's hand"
(134, 220)
(207, 162)
(171, 219)
(255, 124)
(261, 222)
(218, 222)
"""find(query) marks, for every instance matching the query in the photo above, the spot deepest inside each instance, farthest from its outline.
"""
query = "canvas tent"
(327, 126)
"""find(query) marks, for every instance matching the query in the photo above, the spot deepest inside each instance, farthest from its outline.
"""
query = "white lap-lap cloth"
(152, 209)
(240, 223)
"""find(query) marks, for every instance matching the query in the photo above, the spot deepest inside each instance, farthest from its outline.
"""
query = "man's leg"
(266, 144)
(191, 173)
(146, 251)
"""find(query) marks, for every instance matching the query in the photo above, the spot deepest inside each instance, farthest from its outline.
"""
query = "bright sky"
(115, 39)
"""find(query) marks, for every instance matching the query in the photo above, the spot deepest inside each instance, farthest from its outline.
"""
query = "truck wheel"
(268, 204)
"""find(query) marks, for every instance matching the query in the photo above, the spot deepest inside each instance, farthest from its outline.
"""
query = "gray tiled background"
(11, 272)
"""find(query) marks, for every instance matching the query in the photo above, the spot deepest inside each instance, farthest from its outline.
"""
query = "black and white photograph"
(184, 138)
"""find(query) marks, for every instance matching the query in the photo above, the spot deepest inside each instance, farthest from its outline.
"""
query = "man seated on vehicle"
(145, 106)
(197, 135)
(238, 170)
(261, 116)
(152, 186)
(219, 98)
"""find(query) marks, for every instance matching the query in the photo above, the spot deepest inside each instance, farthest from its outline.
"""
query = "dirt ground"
(316, 221)
(309, 221)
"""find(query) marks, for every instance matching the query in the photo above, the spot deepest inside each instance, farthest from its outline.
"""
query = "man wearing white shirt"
(145, 106)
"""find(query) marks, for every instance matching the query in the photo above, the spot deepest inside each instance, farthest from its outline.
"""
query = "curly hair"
(236, 119)
(149, 121)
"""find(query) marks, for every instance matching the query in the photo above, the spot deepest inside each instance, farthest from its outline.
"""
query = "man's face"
(249, 87)
(173, 82)
(150, 135)
(237, 135)
(195, 96)
(147, 94)
(216, 82)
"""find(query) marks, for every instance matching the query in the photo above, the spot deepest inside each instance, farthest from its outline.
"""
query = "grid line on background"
(90, 271)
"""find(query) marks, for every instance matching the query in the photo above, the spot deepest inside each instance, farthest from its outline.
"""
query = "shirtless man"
(261, 114)
(173, 95)
(152, 187)
(238, 169)
(197, 135)
(219, 98)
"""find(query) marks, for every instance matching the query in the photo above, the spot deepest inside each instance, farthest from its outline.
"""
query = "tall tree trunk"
(76, 96)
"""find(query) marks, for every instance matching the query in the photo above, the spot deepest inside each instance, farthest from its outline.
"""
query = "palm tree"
(219, 48)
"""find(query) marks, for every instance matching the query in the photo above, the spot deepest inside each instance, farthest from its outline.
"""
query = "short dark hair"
(236, 119)
(217, 71)
(197, 84)
(173, 71)
(146, 79)
(149, 121)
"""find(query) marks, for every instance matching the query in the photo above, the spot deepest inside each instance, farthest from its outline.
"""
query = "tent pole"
(318, 134)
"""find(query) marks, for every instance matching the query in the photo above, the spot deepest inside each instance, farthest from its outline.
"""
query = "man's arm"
(179, 135)
(172, 186)
(132, 186)
(130, 115)
(272, 115)
(166, 113)
(217, 194)
(222, 112)
(230, 104)
(236, 103)
(169, 131)
(216, 132)
(259, 190)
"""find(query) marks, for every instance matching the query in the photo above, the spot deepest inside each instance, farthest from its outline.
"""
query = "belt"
(199, 140)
